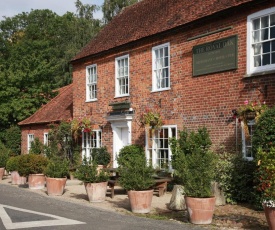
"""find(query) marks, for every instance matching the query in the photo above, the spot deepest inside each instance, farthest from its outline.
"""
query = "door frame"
(117, 123)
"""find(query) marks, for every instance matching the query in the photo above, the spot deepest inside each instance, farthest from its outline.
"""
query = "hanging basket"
(250, 115)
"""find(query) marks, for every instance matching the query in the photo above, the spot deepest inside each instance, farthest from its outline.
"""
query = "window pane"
(257, 49)
(161, 53)
(266, 59)
(166, 61)
(273, 58)
(264, 34)
(266, 47)
(273, 45)
(257, 61)
(256, 24)
(272, 32)
(256, 36)
(166, 51)
(264, 22)
(272, 19)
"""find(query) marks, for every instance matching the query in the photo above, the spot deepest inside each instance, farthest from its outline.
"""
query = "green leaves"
(193, 163)
(134, 171)
(35, 53)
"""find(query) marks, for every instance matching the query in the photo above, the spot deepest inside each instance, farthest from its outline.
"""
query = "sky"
(10, 8)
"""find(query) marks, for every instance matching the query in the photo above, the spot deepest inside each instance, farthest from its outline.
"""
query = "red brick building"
(192, 61)
(36, 126)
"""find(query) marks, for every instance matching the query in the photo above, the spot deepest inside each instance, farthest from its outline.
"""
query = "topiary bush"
(13, 163)
(57, 168)
(134, 171)
(187, 143)
(88, 173)
(101, 156)
(32, 164)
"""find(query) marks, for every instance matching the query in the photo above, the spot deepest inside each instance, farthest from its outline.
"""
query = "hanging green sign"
(216, 56)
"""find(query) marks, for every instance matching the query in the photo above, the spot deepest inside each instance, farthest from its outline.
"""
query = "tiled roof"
(59, 108)
(150, 17)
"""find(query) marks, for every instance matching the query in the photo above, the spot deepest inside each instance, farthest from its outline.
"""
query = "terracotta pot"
(140, 201)
(2, 171)
(96, 191)
(16, 179)
(36, 181)
(270, 217)
(55, 186)
(200, 210)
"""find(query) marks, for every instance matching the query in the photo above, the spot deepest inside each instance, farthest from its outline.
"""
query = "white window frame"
(88, 142)
(30, 140)
(119, 76)
(91, 83)
(158, 69)
(251, 70)
(153, 141)
(247, 139)
(46, 139)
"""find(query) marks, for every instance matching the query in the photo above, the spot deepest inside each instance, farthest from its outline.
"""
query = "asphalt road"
(23, 209)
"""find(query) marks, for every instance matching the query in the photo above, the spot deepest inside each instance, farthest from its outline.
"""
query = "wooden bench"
(161, 185)
(111, 184)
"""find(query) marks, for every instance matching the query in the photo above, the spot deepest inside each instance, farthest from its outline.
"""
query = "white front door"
(120, 140)
(122, 133)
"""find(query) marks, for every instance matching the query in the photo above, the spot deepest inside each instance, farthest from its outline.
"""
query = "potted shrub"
(101, 156)
(95, 181)
(33, 166)
(12, 167)
(266, 177)
(56, 174)
(4, 155)
(195, 170)
(136, 176)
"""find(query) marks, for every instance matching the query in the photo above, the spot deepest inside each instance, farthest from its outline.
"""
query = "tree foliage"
(35, 53)
(111, 8)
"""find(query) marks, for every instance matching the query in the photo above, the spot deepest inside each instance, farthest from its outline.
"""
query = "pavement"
(75, 192)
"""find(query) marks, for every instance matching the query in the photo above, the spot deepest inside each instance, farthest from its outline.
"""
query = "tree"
(111, 8)
(35, 53)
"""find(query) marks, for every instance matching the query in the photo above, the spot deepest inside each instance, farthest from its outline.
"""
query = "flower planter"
(270, 217)
(36, 181)
(250, 115)
(16, 179)
(200, 210)
(96, 191)
(55, 186)
(140, 201)
(2, 172)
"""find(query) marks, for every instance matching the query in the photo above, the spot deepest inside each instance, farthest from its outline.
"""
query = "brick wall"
(191, 102)
(38, 132)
